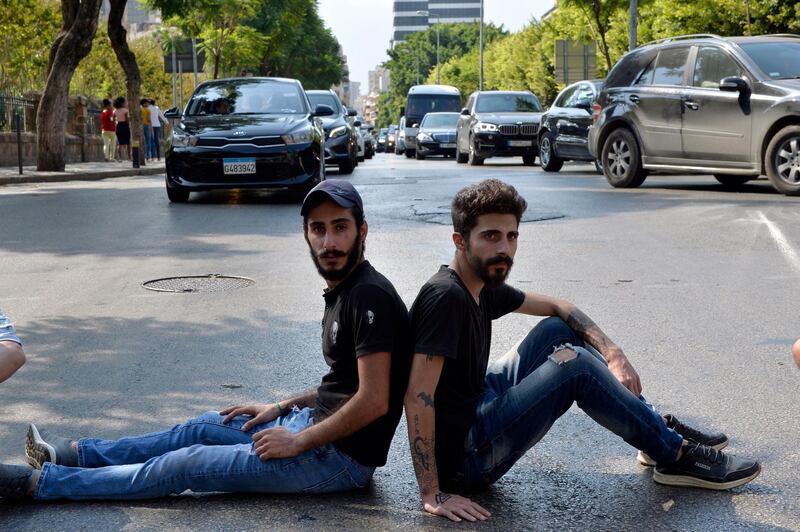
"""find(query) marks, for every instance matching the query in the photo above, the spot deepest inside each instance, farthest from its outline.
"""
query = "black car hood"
(330, 122)
(785, 85)
(242, 125)
(509, 118)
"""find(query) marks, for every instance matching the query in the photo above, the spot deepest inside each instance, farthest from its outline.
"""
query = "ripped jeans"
(201, 455)
(529, 388)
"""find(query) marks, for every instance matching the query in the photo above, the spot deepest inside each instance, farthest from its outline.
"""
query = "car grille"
(444, 137)
(221, 142)
(514, 129)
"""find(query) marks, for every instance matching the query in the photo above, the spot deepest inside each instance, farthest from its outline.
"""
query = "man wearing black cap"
(324, 440)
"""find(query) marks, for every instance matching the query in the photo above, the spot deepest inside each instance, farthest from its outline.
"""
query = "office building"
(407, 21)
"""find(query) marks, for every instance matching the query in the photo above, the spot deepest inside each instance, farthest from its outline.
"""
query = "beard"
(333, 274)
(481, 267)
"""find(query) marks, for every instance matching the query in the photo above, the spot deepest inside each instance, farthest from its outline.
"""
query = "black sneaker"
(15, 481)
(717, 440)
(41, 447)
(704, 467)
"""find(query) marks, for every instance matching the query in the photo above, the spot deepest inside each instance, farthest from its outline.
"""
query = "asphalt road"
(699, 285)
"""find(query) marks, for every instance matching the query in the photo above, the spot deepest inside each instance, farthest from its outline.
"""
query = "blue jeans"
(155, 150)
(527, 390)
(201, 455)
(148, 141)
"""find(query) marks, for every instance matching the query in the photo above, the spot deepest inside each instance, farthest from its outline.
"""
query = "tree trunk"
(73, 43)
(133, 79)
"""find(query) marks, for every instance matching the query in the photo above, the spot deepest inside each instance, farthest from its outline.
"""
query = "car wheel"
(783, 161)
(410, 154)
(529, 159)
(177, 195)
(346, 167)
(622, 163)
(733, 181)
(418, 156)
(461, 157)
(362, 158)
(548, 160)
(472, 157)
(598, 166)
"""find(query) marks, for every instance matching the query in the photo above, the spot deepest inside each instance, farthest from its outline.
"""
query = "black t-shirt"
(447, 322)
(364, 315)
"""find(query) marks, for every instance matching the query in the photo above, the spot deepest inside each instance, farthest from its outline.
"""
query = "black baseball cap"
(340, 191)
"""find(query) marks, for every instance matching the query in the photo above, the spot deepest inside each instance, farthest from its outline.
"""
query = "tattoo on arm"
(427, 399)
(588, 330)
(442, 497)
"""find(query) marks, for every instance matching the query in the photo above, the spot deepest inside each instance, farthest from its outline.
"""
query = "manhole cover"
(198, 283)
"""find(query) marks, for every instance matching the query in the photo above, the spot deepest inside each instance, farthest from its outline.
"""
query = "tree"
(599, 15)
(73, 43)
(27, 29)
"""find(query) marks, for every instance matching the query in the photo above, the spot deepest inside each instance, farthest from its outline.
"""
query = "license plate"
(239, 166)
(520, 143)
(447, 145)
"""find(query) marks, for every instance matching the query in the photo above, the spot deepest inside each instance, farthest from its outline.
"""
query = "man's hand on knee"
(622, 369)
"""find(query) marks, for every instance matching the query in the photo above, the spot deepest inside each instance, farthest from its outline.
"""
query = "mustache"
(325, 254)
(500, 259)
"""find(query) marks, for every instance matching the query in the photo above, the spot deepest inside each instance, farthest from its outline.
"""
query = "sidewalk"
(78, 172)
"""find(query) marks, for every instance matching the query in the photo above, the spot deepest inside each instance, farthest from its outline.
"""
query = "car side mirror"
(734, 84)
(172, 112)
(352, 112)
(323, 110)
(357, 123)
(586, 105)
(465, 111)
(415, 125)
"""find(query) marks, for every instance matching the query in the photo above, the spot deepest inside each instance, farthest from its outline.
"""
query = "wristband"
(281, 411)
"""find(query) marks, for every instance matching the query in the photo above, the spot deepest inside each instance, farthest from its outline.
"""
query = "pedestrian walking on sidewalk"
(108, 128)
(123, 129)
(147, 128)
(156, 119)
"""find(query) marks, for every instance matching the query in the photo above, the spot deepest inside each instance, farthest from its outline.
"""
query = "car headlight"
(485, 126)
(391, 137)
(303, 136)
(183, 139)
(337, 132)
(424, 137)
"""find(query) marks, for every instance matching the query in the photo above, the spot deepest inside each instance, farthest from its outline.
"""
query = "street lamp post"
(436, 25)
(480, 71)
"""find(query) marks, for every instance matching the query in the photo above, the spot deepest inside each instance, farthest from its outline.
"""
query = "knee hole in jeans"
(563, 354)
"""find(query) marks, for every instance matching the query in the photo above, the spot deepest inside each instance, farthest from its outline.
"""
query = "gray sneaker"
(41, 447)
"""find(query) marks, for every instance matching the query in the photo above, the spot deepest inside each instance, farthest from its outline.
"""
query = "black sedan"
(341, 135)
(499, 124)
(564, 133)
(245, 133)
(437, 135)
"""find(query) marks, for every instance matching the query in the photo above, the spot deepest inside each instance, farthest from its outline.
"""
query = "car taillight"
(596, 112)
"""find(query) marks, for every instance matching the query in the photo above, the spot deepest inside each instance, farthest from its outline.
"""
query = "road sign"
(183, 56)
(575, 61)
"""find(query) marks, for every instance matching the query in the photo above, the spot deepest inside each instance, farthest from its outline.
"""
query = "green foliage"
(415, 59)
(27, 29)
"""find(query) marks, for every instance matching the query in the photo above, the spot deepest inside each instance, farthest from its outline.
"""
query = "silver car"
(727, 106)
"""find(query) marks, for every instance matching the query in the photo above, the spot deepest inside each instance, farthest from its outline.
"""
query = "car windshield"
(247, 97)
(324, 99)
(421, 104)
(392, 128)
(507, 103)
(778, 60)
(440, 120)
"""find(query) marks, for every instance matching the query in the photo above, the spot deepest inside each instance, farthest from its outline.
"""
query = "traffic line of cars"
(261, 133)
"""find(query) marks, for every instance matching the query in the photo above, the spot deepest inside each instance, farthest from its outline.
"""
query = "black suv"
(564, 133)
(727, 106)
(498, 124)
(341, 135)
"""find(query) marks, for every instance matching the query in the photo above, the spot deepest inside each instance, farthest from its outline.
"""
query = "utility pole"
(747, 7)
(174, 71)
(633, 24)
(194, 61)
(480, 74)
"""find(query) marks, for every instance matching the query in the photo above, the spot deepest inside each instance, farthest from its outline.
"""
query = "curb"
(58, 177)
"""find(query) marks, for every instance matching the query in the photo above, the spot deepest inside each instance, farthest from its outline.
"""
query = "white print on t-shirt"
(334, 331)
(370, 316)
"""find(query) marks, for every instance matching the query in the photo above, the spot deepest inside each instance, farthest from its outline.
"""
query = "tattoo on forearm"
(427, 399)
(442, 497)
(587, 329)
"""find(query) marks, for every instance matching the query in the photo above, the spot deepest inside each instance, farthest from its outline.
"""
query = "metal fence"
(13, 106)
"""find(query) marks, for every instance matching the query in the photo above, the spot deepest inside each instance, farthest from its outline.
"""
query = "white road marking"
(783, 244)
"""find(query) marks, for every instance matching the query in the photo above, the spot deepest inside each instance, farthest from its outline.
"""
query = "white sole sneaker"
(693, 482)
(38, 451)
(644, 459)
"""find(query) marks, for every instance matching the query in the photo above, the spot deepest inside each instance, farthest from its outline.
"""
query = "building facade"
(408, 21)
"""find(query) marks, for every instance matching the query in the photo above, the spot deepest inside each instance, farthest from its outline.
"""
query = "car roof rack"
(684, 37)
(791, 35)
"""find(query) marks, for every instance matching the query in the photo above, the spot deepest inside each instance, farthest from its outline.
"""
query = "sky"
(364, 27)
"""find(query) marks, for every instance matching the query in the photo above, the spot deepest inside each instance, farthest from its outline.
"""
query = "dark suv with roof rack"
(727, 106)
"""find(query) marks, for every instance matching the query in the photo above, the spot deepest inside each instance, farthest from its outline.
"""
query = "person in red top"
(108, 128)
